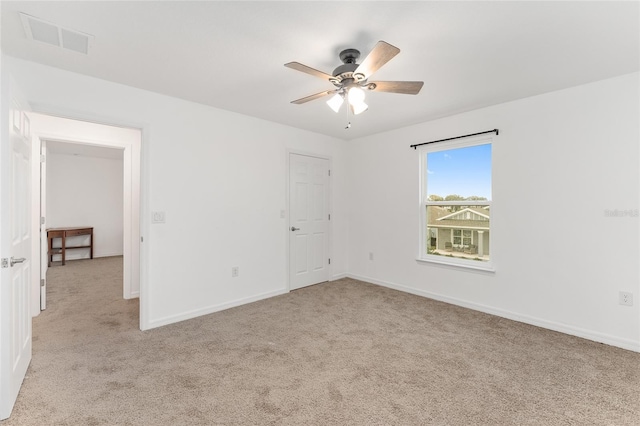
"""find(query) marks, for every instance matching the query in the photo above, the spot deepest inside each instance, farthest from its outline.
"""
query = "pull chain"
(348, 121)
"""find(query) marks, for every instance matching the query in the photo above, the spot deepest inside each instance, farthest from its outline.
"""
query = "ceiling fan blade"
(314, 72)
(404, 87)
(381, 53)
(313, 97)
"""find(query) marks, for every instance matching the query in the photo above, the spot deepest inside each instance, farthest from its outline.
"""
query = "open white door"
(308, 220)
(15, 240)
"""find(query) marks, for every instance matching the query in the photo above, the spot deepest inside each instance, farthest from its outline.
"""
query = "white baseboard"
(79, 256)
(627, 344)
(338, 277)
(211, 309)
(107, 255)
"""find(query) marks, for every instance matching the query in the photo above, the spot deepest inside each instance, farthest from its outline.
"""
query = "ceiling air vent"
(46, 32)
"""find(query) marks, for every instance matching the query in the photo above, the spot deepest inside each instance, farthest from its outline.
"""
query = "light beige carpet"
(339, 353)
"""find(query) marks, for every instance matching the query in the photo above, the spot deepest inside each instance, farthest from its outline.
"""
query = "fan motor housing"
(345, 68)
(349, 57)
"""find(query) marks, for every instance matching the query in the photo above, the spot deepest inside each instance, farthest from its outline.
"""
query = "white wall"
(561, 160)
(87, 191)
(220, 178)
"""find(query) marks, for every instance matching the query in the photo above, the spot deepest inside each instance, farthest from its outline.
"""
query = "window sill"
(484, 266)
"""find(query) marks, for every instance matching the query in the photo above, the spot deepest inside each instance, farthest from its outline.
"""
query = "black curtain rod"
(457, 137)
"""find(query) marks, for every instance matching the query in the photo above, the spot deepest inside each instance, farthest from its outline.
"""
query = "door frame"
(46, 126)
(40, 203)
(288, 210)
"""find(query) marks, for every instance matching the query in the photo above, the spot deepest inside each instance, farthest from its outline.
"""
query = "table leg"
(49, 253)
(64, 242)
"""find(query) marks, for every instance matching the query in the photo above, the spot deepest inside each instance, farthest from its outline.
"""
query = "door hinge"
(42, 282)
(329, 172)
(142, 239)
(41, 220)
(329, 216)
(329, 261)
(42, 158)
(5, 262)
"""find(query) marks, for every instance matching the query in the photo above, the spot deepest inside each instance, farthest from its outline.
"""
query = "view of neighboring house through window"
(456, 202)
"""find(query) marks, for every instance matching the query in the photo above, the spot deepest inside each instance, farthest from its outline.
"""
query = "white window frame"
(423, 256)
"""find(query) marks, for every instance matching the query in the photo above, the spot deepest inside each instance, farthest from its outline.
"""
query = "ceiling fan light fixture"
(355, 95)
(358, 107)
(335, 102)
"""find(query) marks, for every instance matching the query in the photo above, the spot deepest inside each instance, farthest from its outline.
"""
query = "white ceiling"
(230, 55)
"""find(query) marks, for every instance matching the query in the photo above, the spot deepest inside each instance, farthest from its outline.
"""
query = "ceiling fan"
(352, 79)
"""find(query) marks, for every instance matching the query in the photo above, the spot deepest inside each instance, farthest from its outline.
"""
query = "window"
(455, 206)
(457, 236)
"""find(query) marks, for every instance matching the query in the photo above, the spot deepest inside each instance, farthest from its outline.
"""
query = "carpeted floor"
(338, 353)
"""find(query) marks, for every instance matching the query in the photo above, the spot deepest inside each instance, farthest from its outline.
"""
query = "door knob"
(18, 260)
(293, 228)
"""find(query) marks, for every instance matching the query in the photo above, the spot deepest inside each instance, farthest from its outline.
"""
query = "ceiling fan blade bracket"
(358, 76)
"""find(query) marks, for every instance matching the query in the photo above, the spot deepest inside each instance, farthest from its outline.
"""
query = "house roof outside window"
(469, 218)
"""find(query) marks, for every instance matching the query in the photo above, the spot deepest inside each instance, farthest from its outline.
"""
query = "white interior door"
(308, 220)
(15, 231)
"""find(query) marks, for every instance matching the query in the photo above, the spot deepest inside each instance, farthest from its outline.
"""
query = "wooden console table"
(63, 234)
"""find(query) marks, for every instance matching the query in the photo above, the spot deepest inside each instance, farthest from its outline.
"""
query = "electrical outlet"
(370, 255)
(235, 271)
(626, 298)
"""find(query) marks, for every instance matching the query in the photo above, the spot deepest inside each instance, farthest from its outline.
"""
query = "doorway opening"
(81, 197)
(113, 150)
